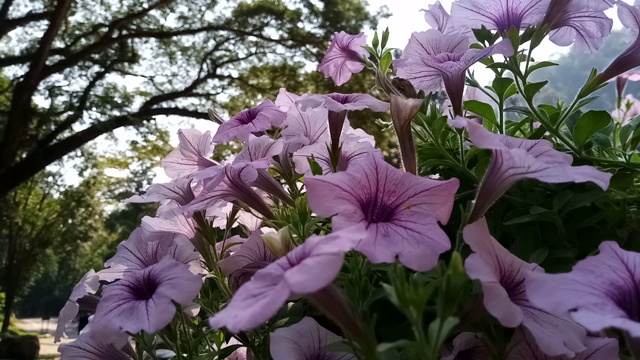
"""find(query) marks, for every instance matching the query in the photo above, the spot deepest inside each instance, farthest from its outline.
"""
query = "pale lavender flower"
(219, 214)
(144, 300)
(400, 211)
(339, 105)
(172, 221)
(580, 25)
(621, 82)
(499, 15)
(350, 153)
(303, 340)
(438, 18)
(86, 347)
(309, 126)
(285, 100)
(179, 190)
(338, 102)
(629, 109)
(523, 347)
(514, 159)
(143, 249)
(258, 152)
(600, 292)
(252, 256)
(192, 155)
(89, 284)
(344, 57)
(432, 58)
(307, 269)
(234, 187)
(467, 346)
(502, 276)
(255, 120)
(629, 17)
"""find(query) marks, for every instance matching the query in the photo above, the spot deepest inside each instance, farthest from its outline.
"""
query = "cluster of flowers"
(223, 226)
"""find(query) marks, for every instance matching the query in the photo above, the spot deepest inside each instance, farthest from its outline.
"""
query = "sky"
(405, 18)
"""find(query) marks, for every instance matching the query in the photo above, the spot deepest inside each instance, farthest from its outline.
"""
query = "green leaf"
(385, 62)
(226, 352)
(622, 180)
(400, 344)
(439, 330)
(501, 86)
(562, 198)
(481, 109)
(499, 65)
(540, 65)
(376, 41)
(589, 124)
(539, 255)
(531, 89)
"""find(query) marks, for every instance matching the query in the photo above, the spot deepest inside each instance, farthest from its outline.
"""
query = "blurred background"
(92, 93)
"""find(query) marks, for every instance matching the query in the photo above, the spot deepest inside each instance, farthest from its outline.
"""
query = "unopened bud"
(279, 243)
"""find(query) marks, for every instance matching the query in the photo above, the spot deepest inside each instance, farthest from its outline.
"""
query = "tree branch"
(40, 158)
(21, 110)
(8, 25)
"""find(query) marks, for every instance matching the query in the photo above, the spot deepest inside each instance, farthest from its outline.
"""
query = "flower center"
(247, 116)
(377, 210)
(145, 289)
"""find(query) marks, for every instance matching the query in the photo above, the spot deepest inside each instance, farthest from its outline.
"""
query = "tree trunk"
(10, 296)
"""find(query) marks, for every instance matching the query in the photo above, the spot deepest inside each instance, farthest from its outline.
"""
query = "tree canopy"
(79, 69)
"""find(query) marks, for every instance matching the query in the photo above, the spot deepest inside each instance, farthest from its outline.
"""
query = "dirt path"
(46, 329)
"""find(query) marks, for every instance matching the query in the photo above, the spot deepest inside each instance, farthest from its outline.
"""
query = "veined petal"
(502, 276)
(344, 57)
(305, 340)
(400, 210)
(601, 291)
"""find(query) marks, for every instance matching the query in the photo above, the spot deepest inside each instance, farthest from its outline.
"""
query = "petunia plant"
(511, 230)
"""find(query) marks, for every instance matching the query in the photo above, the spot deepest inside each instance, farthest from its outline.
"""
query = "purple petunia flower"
(234, 187)
(344, 57)
(143, 249)
(351, 151)
(143, 300)
(502, 276)
(579, 24)
(438, 18)
(629, 109)
(170, 221)
(523, 347)
(89, 284)
(630, 17)
(498, 15)
(192, 155)
(258, 152)
(85, 347)
(179, 191)
(250, 121)
(467, 345)
(252, 256)
(338, 106)
(305, 340)
(307, 269)
(338, 102)
(514, 159)
(432, 58)
(400, 211)
(600, 291)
